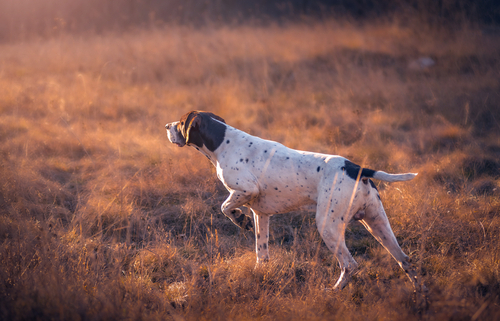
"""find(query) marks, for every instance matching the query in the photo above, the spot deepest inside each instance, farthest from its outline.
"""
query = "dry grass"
(101, 218)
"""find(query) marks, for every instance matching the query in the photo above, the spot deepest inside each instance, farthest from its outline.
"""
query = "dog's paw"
(243, 221)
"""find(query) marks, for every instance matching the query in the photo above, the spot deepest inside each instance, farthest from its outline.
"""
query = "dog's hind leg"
(376, 222)
(332, 230)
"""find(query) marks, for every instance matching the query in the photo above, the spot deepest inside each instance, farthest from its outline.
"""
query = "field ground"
(102, 218)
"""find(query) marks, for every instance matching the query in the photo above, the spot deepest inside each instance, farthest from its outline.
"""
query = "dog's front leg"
(261, 236)
(230, 209)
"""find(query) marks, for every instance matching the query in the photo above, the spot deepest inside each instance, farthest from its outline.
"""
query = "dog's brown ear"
(193, 125)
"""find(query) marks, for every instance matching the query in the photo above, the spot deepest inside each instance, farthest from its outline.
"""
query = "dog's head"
(197, 128)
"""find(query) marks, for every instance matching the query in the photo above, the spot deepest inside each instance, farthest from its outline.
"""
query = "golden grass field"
(101, 218)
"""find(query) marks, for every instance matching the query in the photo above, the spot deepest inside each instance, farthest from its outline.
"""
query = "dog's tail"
(383, 176)
(356, 172)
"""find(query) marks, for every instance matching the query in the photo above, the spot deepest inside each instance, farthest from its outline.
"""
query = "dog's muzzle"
(173, 135)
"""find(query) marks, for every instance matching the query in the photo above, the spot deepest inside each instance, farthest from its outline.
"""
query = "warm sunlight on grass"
(102, 218)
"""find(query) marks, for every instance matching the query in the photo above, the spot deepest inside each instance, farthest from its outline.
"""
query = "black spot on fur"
(228, 141)
(359, 215)
(264, 246)
(318, 169)
(352, 170)
(373, 184)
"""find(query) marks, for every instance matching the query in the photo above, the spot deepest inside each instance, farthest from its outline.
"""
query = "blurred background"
(25, 18)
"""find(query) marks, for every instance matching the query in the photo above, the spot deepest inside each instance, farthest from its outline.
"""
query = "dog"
(270, 179)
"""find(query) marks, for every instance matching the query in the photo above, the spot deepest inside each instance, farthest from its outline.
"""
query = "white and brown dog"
(270, 178)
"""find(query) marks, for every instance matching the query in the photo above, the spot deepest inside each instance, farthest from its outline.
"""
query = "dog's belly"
(274, 203)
